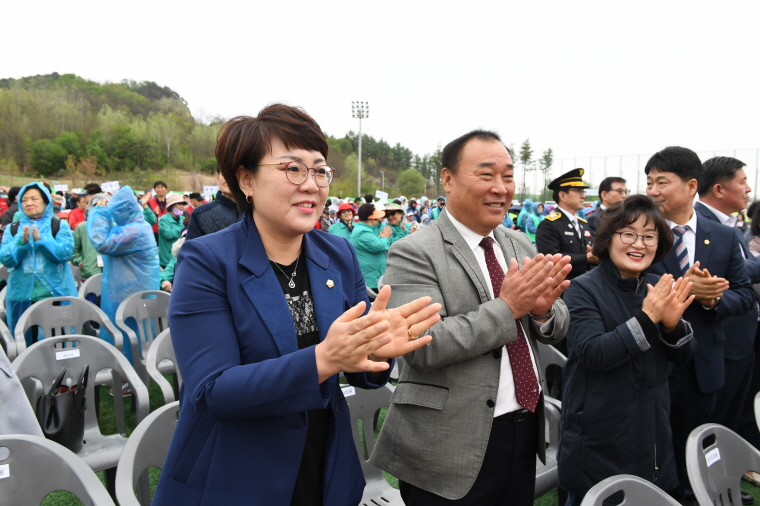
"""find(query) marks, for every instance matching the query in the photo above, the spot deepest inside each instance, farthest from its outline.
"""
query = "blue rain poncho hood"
(121, 235)
(44, 261)
(534, 209)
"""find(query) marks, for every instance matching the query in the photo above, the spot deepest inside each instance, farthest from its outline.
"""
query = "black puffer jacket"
(616, 401)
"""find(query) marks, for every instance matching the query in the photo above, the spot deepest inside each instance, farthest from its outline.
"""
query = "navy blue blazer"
(740, 330)
(717, 248)
(246, 385)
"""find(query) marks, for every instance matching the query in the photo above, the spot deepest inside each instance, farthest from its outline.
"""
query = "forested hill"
(65, 126)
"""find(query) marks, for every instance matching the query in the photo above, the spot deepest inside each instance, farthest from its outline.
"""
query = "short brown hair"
(625, 212)
(244, 141)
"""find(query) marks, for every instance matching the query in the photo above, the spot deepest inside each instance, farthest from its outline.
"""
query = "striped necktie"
(680, 247)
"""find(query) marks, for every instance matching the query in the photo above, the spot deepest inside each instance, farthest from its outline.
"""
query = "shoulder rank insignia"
(584, 220)
(554, 216)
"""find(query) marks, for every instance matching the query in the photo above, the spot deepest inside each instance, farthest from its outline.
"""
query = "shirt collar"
(692, 223)
(570, 215)
(724, 218)
(471, 238)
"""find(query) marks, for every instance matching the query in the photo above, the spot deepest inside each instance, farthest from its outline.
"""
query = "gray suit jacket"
(437, 428)
(16, 414)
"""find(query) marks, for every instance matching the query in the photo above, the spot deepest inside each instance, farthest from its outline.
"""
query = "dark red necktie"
(526, 385)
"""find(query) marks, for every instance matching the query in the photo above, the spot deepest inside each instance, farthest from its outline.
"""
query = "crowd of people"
(650, 297)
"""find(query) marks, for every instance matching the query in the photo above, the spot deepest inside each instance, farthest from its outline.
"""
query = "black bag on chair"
(61, 412)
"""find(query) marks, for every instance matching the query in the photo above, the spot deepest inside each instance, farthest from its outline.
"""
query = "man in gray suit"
(466, 420)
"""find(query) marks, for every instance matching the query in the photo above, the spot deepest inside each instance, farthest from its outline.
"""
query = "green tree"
(70, 142)
(410, 182)
(545, 166)
(526, 157)
(47, 158)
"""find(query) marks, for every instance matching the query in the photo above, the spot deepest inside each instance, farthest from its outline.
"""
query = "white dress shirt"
(573, 220)
(724, 218)
(690, 236)
(506, 398)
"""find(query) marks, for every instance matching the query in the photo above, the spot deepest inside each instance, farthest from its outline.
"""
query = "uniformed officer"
(564, 232)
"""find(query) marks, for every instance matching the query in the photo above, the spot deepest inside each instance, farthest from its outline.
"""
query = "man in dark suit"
(710, 255)
(564, 232)
(723, 190)
(466, 421)
(611, 189)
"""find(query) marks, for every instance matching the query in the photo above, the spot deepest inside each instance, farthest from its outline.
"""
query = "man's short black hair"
(717, 170)
(92, 188)
(606, 184)
(365, 211)
(196, 196)
(682, 162)
(159, 183)
(12, 193)
(625, 212)
(368, 199)
(452, 152)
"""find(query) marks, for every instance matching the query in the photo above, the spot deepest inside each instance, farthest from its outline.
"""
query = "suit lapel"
(703, 246)
(326, 286)
(265, 293)
(462, 252)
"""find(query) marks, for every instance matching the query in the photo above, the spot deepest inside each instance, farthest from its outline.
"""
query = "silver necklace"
(291, 283)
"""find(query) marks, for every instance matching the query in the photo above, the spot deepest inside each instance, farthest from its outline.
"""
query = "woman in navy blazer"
(264, 314)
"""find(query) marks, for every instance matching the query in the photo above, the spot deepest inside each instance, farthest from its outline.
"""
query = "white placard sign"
(61, 187)
(5, 471)
(379, 195)
(63, 355)
(712, 456)
(110, 187)
(348, 391)
(210, 190)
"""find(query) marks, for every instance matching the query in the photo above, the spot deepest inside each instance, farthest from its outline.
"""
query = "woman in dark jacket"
(625, 330)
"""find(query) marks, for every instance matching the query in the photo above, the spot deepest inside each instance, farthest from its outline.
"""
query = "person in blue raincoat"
(37, 260)
(120, 233)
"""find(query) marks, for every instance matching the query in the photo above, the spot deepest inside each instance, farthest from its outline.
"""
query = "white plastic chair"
(91, 285)
(39, 365)
(161, 360)
(637, 491)
(31, 467)
(147, 447)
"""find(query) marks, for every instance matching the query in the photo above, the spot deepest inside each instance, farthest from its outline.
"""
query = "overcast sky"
(584, 78)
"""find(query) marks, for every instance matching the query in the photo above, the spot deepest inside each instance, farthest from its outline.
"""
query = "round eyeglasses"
(630, 238)
(297, 172)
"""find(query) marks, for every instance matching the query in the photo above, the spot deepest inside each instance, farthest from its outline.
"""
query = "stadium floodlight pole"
(383, 173)
(360, 110)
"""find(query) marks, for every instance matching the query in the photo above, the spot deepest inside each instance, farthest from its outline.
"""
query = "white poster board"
(380, 195)
(209, 191)
(110, 187)
(61, 187)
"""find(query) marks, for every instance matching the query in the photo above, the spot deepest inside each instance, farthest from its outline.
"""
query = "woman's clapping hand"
(666, 301)
(356, 343)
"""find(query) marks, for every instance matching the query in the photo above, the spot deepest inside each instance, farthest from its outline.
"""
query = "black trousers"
(689, 408)
(507, 476)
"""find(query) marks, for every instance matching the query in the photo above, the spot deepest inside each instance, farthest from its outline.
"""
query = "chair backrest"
(148, 311)
(550, 359)
(716, 459)
(162, 349)
(147, 447)
(9, 344)
(91, 286)
(76, 273)
(61, 316)
(365, 405)
(2, 302)
(31, 467)
(547, 474)
(39, 365)
(3, 271)
(757, 409)
(637, 491)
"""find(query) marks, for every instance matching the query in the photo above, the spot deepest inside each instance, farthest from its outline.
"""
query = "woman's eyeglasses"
(297, 172)
(630, 238)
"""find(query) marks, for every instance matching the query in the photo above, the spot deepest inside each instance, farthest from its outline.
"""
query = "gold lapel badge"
(330, 283)
(707, 241)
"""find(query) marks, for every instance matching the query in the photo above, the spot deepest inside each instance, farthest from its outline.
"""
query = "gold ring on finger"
(409, 333)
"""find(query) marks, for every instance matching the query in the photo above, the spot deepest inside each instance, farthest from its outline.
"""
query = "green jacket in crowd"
(341, 229)
(150, 216)
(85, 253)
(398, 231)
(371, 250)
(169, 230)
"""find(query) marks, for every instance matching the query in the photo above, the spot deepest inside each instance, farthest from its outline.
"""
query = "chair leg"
(97, 401)
(111, 481)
